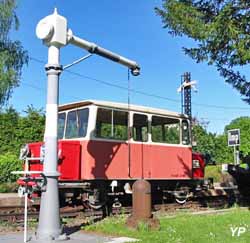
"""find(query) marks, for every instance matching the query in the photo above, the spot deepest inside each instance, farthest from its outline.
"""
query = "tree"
(212, 144)
(220, 28)
(205, 140)
(223, 153)
(12, 54)
(31, 126)
(8, 127)
(16, 130)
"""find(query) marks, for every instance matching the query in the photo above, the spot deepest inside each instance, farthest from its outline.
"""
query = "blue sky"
(132, 29)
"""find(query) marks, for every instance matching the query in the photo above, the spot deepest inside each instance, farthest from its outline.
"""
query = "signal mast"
(185, 89)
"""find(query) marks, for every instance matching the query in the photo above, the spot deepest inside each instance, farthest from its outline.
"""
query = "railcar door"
(107, 152)
(137, 144)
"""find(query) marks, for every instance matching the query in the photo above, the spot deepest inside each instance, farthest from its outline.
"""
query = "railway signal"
(54, 33)
(234, 140)
(185, 89)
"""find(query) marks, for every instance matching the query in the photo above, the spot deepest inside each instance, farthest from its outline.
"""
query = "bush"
(9, 162)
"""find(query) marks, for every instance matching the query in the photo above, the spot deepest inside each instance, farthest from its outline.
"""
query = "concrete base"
(74, 238)
(78, 237)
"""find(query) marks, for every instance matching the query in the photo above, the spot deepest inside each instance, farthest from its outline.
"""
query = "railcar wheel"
(96, 206)
(181, 200)
(181, 196)
(97, 199)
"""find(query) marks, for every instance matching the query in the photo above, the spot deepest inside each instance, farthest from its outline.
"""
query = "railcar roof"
(123, 106)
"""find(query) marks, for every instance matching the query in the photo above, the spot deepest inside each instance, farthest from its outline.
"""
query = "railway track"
(16, 213)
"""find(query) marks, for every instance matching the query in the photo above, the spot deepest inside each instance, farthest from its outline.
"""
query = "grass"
(214, 171)
(8, 187)
(184, 228)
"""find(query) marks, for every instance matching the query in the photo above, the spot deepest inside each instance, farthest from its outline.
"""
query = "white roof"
(122, 106)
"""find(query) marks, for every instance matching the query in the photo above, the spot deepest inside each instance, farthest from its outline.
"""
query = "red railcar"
(104, 147)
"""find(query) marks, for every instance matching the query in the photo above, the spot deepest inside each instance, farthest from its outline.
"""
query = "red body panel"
(198, 173)
(35, 165)
(109, 160)
(69, 159)
(94, 159)
(104, 160)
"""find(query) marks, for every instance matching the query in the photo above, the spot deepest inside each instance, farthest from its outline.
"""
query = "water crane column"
(55, 34)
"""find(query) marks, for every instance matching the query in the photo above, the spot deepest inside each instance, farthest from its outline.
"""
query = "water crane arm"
(54, 32)
(93, 48)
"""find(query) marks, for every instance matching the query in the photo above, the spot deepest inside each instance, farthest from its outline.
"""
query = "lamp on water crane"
(55, 34)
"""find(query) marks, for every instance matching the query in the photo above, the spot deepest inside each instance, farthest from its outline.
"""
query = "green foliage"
(16, 130)
(212, 144)
(205, 141)
(216, 145)
(220, 29)
(9, 162)
(8, 126)
(223, 153)
(31, 127)
(12, 54)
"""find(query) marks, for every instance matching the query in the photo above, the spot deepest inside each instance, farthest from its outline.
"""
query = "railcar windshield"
(74, 125)
(61, 125)
(185, 133)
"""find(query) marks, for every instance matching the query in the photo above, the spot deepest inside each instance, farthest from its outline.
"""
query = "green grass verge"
(184, 228)
(213, 171)
(8, 187)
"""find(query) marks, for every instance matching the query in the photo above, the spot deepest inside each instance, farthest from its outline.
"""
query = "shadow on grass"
(68, 230)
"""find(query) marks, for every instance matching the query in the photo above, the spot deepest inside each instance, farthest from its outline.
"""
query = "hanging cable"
(146, 93)
(129, 128)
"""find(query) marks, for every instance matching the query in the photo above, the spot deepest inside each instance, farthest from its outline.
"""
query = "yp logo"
(238, 231)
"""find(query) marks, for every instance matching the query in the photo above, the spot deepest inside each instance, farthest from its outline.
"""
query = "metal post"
(25, 214)
(26, 168)
(49, 227)
(236, 156)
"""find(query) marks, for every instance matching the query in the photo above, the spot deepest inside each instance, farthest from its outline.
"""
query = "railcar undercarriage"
(118, 193)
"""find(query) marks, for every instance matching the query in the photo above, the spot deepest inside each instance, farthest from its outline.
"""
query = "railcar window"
(77, 123)
(61, 125)
(83, 116)
(112, 124)
(185, 133)
(165, 130)
(104, 123)
(72, 126)
(140, 127)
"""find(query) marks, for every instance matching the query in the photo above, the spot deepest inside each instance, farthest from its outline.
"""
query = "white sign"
(233, 137)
